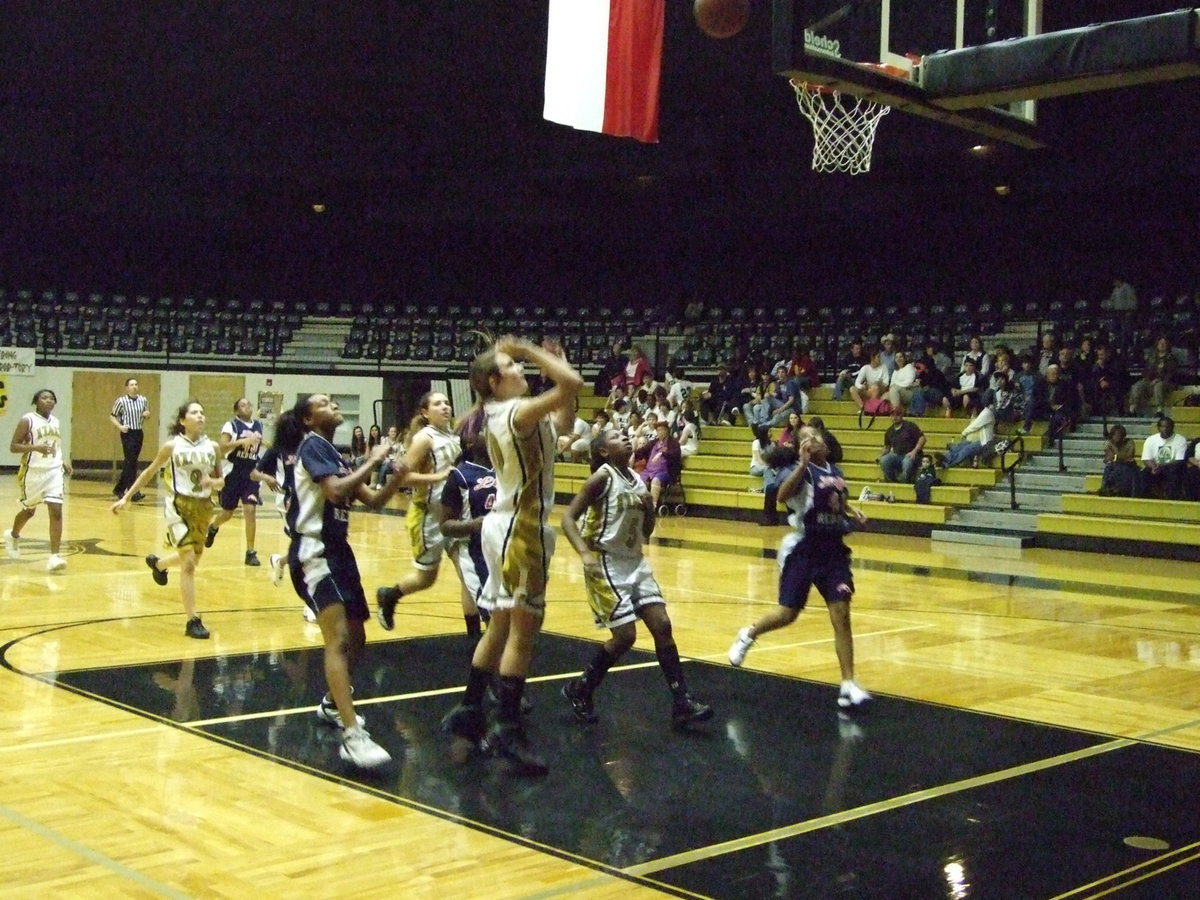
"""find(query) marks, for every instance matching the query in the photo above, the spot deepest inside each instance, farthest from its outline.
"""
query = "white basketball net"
(843, 134)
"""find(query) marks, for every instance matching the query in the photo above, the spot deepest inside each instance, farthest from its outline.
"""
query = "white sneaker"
(328, 713)
(358, 748)
(741, 646)
(852, 695)
(864, 494)
(55, 563)
(309, 615)
(12, 544)
(278, 564)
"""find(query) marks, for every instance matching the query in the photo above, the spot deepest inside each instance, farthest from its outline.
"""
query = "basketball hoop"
(843, 133)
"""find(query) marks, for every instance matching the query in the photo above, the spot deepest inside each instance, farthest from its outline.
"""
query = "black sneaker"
(386, 598)
(491, 699)
(581, 701)
(508, 742)
(195, 629)
(136, 497)
(160, 575)
(465, 722)
(211, 536)
(252, 558)
(687, 710)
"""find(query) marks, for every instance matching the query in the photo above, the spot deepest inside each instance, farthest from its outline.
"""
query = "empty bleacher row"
(72, 326)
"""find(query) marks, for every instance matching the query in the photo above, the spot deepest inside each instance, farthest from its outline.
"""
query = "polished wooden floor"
(99, 800)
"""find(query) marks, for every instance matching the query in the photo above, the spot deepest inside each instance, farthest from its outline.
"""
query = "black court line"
(779, 795)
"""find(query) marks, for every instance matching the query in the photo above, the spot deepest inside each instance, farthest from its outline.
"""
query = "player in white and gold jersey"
(38, 438)
(518, 540)
(191, 467)
(617, 516)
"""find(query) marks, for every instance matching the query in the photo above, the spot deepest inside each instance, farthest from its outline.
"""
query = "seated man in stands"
(1059, 401)
(1104, 384)
(1158, 379)
(902, 446)
(871, 382)
(970, 386)
(576, 445)
(1164, 467)
(849, 368)
(978, 440)
(718, 404)
(904, 389)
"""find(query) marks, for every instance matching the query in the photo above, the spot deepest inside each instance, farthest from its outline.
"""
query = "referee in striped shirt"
(127, 416)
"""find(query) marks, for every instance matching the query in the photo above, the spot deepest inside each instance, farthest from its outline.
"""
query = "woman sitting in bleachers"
(1120, 464)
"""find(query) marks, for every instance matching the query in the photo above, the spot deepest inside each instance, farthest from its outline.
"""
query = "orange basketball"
(721, 18)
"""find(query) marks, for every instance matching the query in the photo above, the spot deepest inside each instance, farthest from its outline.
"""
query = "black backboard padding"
(1110, 54)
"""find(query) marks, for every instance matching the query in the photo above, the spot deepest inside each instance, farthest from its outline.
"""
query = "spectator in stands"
(664, 410)
(967, 395)
(850, 366)
(664, 462)
(887, 353)
(1104, 384)
(1049, 353)
(871, 382)
(1158, 379)
(1071, 374)
(780, 461)
(902, 446)
(759, 409)
(611, 368)
(790, 435)
(804, 370)
(1033, 391)
(931, 379)
(978, 441)
(643, 435)
(832, 446)
(793, 399)
(1164, 463)
(975, 351)
(576, 445)
(1120, 468)
(687, 432)
(1123, 297)
(1002, 397)
(678, 387)
(1058, 402)
(718, 404)
(358, 447)
(396, 450)
(942, 361)
(637, 368)
(904, 388)
(758, 468)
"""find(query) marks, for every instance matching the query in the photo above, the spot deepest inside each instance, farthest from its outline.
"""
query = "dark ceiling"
(171, 147)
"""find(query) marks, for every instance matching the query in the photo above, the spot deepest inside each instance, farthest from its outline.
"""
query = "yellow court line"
(849, 815)
(1124, 884)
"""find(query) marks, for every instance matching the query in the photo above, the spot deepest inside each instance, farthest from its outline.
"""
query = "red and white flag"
(603, 65)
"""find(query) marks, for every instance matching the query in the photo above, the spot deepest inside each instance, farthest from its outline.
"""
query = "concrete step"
(1000, 520)
(988, 541)
(1048, 501)
(1048, 462)
(1049, 481)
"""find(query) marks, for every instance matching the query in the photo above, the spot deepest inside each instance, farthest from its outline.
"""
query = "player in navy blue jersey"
(241, 443)
(814, 554)
(324, 570)
(468, 496)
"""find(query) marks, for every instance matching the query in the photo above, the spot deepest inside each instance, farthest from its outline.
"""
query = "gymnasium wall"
(85, 397)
